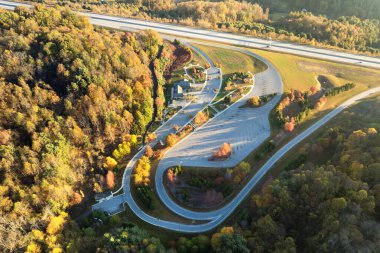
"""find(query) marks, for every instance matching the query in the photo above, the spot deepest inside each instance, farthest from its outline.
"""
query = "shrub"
(151, 137)
(320, 103)
(289, 126)
(149, 151)
(254, 101)
(176, 127)
(110, 163)
(224, 151)
(227, 99)
(201, 117)
(171, 140)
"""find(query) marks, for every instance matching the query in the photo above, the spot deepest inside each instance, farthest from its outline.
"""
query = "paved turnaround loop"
(216, 217)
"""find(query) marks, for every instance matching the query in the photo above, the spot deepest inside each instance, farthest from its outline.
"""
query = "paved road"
(215, 218)
(221, 37)
(218, 216)
(181, 118)
(244, 128)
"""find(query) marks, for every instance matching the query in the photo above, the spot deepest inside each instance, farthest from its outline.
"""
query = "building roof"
(178, 89)
(184, 84)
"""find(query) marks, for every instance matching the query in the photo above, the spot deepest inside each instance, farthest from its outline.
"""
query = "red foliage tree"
(313, 90)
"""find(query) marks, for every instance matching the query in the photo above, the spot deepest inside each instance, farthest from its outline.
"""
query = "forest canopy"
(365, 9)
(69, 93)
(351, 25)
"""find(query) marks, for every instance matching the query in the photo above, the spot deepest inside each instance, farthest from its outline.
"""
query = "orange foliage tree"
(149, 151)
(224, 151)
(151, 137)
(289, 126)
(110, 180)
(77, 198)
(320, 103)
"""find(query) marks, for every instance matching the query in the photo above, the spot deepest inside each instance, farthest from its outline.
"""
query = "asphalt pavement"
(245, 128)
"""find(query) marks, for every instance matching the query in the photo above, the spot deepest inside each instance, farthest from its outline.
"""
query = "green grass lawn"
(232, 61)
(301, 73)
(198, 59)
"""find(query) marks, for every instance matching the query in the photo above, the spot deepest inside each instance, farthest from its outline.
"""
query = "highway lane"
(130, 24)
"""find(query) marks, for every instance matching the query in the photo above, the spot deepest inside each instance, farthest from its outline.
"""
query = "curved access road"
(244, 128)
(219, 218)
(130, 24)
(215, 218)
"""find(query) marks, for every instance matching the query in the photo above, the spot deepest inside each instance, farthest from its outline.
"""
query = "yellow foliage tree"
(215, 239)
(110, 163)
(33, 248)
(142, 171)
(122, 150)
(56, 224)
